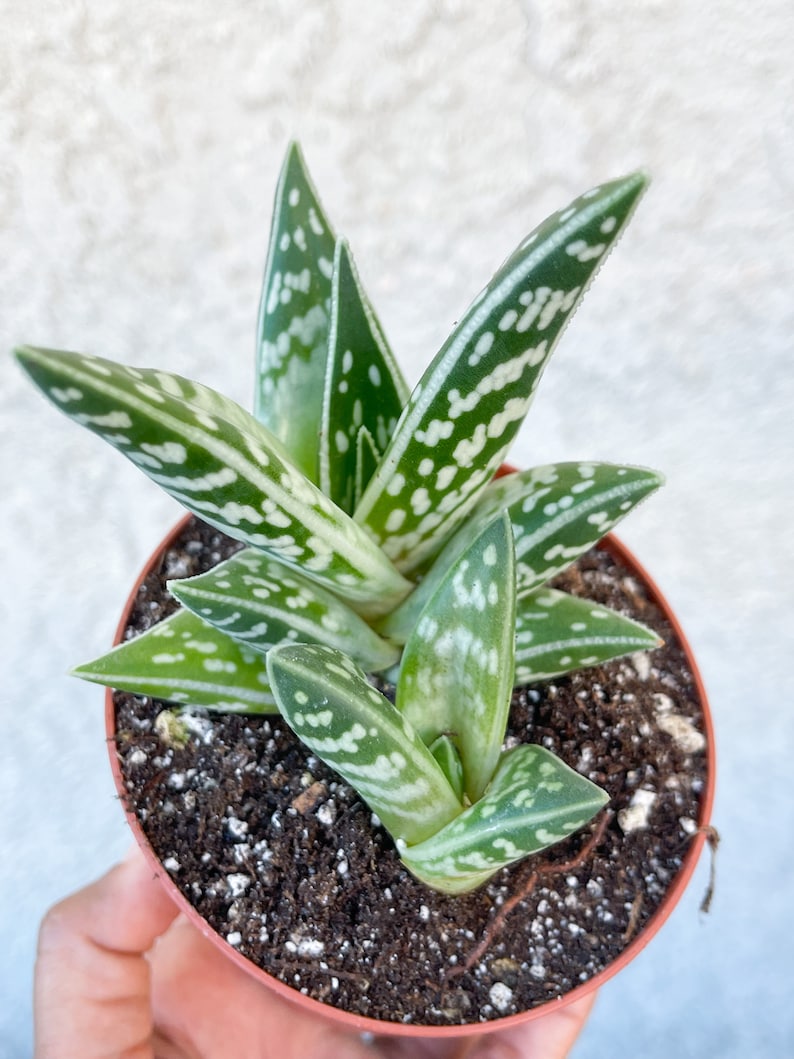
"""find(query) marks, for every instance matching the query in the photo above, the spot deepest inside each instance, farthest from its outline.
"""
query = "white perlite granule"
(238, 883)
(641, 664)
(326, 814)
(635, 817)
(682, 731)
(310, 947)
(501, 996)
(237, 829)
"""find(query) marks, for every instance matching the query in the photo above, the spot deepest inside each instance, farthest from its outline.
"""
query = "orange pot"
(358, 1023)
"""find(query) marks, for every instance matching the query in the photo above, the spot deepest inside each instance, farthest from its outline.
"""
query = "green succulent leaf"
(557, 633)
(234, 478)
(557, 511)
(326, 700)
(294, 315)
(367, 460)
(364, 389)
(472, 399)
(534, 801)
(261, 602)
(448, 760)
(561, 510)
(184, 660)
(456, 676)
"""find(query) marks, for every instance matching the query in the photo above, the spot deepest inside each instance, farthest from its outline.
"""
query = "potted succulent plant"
(359, 573)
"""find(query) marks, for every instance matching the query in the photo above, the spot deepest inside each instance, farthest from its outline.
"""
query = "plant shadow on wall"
(359, 573)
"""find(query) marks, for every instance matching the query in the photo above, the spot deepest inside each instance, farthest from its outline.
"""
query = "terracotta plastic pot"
(362, 1024)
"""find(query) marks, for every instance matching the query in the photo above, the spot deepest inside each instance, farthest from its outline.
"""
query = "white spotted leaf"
(294, 316)
(237, 479)
(367, 459)
(184, 660)
(533, 801)
(327, 701)
(261, 602)
(456, 676)
(557, 633)
(557, 511)
(364, 388)
(463, 415)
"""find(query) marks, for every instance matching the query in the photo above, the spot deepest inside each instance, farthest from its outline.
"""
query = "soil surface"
(285, 861)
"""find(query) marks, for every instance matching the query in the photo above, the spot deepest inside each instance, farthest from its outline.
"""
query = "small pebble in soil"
(635, 817)
(682, 731)
(501, 996)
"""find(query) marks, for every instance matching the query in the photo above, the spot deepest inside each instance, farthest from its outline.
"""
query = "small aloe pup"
(367, 513)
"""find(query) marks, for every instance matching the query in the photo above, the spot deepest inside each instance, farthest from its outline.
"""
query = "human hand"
(120, 974)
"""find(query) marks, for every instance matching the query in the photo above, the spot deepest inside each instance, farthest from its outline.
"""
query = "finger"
(91, 992)
(549, 1037)
(204, 1004)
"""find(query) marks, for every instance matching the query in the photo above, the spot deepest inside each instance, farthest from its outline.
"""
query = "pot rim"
(365, 1024)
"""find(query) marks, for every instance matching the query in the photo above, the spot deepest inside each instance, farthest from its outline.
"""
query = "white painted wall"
(139, 147)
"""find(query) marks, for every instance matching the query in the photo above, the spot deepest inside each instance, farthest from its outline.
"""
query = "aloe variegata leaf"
(557, 633)
(261, 602)
(364, 388)
(367, 459)
(470, 402)
(533, 801)
(294, 314)
(326, 700)
(456, 676)
(448, 760)
(184, 660)
(235, 479)
(557, 511)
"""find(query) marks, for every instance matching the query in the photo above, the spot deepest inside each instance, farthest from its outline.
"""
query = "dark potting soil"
(286, 862)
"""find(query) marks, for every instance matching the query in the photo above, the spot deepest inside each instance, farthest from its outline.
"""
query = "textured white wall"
(139, 147)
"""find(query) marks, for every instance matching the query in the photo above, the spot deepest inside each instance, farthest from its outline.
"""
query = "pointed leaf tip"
(294, 313)
(471, 401)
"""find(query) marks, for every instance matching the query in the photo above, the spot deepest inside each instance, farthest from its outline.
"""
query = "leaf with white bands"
(557, 633)
(534, 801)
(234, 479)
(558, 512)
(261, 602)
(294, 314)
(326, 700)
(456, 676)
(184, 660)
(364, 389)
(470, 402)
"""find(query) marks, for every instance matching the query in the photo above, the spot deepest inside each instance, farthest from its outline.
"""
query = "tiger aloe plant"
(375, 537)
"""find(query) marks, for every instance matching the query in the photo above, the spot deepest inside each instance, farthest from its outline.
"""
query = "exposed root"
(634, 917)
(524, 891)
(713, 840)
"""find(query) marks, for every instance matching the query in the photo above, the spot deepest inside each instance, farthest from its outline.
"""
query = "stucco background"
(139, 149)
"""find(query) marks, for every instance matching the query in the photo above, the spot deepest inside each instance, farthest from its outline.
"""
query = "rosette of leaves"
(431, 765)
(356, 500)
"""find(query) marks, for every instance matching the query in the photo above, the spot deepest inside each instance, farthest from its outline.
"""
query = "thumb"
(91, 991)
